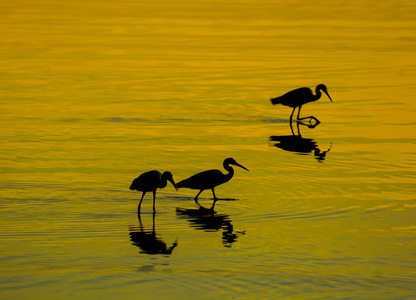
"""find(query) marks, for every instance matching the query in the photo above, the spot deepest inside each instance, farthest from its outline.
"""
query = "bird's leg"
(310, 125)
(304, 117)
(196, 197)
(213, 193)
(213, 204)
(310, 119)
(291, 128)
(300, 107)
(140, 203)
(290, 119)
(154, 200)
(140, 220)
(316, 120)
(215, 199)
(154, 223)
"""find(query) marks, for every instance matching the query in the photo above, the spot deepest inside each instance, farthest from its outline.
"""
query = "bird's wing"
(294, 98)
(148, 181)
(204, 180)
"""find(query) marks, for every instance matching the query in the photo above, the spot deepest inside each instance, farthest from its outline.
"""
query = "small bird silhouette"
(151, 181)
(210, 179)
(300, 96)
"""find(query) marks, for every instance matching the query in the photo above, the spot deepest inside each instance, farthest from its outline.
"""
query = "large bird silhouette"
(210, 179)
(151, 181)
(299, 97)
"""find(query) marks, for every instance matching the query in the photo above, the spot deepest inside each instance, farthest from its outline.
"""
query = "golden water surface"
(94, 93)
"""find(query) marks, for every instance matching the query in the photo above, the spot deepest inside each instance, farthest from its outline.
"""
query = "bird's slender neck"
(318, 94)
(230, 171)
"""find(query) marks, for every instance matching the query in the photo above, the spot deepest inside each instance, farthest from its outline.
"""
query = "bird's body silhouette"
(151, 181)
(299, 97)
(210, 179)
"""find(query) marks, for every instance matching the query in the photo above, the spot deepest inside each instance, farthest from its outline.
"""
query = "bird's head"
(323, 88)
(169, 177)
(231, 161)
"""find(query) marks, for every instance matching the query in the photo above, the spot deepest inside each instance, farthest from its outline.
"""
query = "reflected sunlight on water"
(94, 94)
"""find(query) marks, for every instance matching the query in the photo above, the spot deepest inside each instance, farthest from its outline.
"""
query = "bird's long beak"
(238, 165)
(174, 184)
(328, 96)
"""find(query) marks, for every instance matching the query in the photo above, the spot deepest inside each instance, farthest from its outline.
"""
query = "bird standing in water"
(300, 96)
(210, 179)
(151, 181)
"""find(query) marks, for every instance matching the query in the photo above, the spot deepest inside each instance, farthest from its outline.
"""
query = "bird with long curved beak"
(151, 181)
(300, 96)
(210, 179)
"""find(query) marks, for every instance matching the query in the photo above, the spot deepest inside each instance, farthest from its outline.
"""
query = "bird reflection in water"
(298, 144)
(148, 241)
(211, 221)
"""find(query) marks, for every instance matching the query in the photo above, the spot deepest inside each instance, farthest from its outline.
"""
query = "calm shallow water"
(93, 94)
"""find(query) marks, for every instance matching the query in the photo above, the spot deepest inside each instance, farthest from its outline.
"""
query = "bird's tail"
(275, 100)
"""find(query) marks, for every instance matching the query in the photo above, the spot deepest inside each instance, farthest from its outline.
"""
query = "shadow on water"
(209, 220)
(296, 143)
(148, 240)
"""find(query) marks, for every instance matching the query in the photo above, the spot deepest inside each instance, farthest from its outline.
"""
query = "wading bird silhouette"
(151, 181)
(210, 179)
(300, 96)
